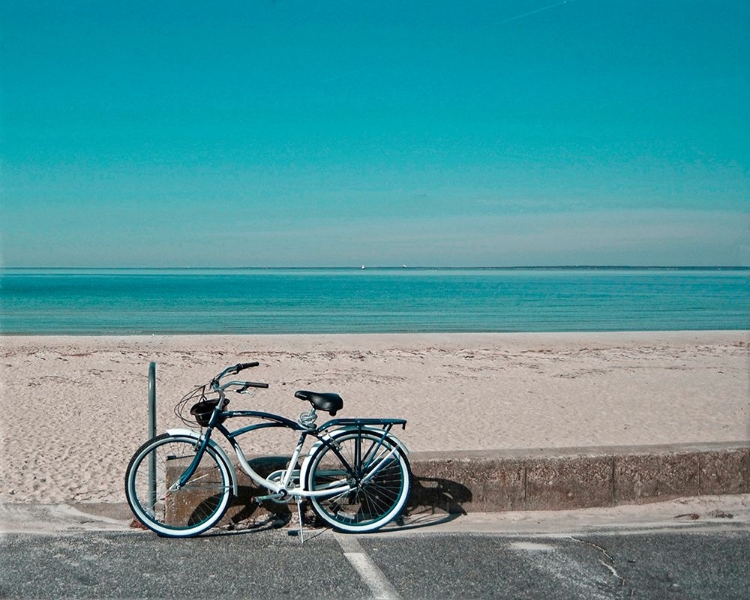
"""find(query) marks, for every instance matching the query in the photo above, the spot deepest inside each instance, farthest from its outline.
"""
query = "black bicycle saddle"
(322, 400)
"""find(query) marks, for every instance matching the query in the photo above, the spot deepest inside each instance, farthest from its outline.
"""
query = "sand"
(75, 408)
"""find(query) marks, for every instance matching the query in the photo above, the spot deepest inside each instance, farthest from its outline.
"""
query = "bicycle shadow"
(245, 512)
(438, 493)
(432, 501)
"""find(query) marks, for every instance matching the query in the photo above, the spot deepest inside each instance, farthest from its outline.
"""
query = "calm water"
(372, 300)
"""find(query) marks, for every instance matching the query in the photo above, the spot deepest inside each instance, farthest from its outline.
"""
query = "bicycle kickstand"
(301, 524)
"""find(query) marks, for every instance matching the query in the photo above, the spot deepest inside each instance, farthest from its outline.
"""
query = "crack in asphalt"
(610, 566)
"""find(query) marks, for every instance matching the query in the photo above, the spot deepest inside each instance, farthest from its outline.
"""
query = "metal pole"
(152, 433)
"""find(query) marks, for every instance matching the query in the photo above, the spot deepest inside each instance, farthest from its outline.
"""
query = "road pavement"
(684, 549)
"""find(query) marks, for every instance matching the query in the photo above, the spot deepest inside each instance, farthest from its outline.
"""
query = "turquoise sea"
(241, 301)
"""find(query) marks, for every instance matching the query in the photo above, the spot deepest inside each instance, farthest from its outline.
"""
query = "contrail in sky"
(508, 20)
(524, 15)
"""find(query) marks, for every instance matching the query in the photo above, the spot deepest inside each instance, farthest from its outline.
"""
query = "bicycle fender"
(214, 446)
(332, 435)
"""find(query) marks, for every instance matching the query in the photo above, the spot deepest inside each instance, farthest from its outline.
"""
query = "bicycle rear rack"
(385, 424)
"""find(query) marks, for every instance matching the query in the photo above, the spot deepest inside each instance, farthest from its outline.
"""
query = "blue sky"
(297, 133)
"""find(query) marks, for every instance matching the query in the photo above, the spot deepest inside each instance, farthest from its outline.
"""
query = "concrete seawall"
(553, 479)
(569, 478)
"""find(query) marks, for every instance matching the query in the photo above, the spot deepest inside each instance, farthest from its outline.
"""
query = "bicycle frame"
(354, 473)
(325, 434)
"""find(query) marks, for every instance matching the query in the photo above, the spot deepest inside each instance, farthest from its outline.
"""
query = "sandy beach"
(75, 408)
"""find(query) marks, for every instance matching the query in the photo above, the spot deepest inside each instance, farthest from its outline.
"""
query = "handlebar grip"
(242, 366)
(249, 384)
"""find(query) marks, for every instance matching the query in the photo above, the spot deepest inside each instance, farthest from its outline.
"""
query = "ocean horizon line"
(395, 267)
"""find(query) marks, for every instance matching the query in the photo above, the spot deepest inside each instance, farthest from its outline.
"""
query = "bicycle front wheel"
(150, 486)
(375, 472)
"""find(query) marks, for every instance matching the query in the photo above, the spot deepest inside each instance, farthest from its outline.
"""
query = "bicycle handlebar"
(233, 370)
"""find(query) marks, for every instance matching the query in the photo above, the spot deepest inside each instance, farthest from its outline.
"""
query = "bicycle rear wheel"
(192, 509)
(376, 473)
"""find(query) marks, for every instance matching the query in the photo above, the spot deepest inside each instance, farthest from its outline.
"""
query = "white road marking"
(532, 546)
(372, 576)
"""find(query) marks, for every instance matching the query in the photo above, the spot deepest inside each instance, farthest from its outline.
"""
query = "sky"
(341, 133)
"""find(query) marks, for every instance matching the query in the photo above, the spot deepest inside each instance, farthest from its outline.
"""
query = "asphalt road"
(701, 561)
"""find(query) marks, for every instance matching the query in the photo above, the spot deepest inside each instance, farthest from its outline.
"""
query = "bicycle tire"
(371, 503)
(186, 512)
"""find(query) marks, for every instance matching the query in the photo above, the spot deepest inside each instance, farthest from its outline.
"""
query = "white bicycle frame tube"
(276, 488)
(262, 481)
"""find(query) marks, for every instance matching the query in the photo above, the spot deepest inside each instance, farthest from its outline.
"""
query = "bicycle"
(356, 476)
